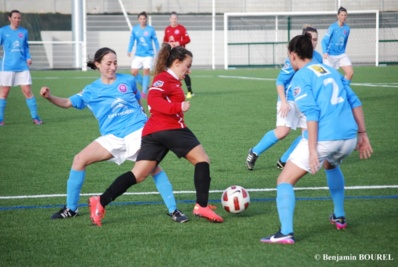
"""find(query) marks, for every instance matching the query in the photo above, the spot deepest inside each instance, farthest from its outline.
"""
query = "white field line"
(69, 78)
(246, 78)
(211, 191)
(384, 85)
(96, 77)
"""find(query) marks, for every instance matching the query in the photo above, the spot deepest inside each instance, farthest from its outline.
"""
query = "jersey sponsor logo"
(319, 70)
(158, 84)
(118, 103)
(122, 88)
(120, 106)
(15, 45)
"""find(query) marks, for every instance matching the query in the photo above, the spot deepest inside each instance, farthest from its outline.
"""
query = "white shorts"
(14, 78)
(122, 149)
(332, 151)
(142, 62)
(337, 61)
(294, 119)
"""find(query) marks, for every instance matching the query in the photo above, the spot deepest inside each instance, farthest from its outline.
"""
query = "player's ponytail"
(168, 55)
(98, 57)
(302, 46)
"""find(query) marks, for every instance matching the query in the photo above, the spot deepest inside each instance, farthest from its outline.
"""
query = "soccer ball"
(235, 199)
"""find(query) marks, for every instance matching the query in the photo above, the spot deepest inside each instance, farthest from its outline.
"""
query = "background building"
(64, 33)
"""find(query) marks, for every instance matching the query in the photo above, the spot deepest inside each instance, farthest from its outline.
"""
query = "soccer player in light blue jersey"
(334, 45)
(144, 37)
(335, 126)
(115, 102)
(288, 116)
(15, 63)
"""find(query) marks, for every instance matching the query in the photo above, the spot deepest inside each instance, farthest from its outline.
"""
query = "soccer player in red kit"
(165, 131)
(176, 35)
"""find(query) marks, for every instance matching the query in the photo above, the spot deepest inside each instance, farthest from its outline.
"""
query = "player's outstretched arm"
(58, 101)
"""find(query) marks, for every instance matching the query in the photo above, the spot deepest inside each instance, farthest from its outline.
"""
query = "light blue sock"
(3, 103)
(138, 79)
(145, 83)
(268, 140)
(285, 202)
(335, 179)
(166, 190)
(74, 185)
(286, 155)
(31, 103)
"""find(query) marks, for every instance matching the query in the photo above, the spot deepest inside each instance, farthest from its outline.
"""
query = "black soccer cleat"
(251, 160)
(178, 216)
(280, 164)
(279, 238)
(65, 213)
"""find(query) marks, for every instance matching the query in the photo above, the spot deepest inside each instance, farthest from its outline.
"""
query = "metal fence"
(196, 6)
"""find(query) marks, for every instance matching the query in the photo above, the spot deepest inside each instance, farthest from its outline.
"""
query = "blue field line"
(192, 202)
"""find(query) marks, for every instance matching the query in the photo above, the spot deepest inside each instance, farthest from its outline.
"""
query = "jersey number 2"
(335, 99)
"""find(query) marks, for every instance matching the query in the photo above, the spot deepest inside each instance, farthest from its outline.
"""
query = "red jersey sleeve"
(159, 99)
(166, 36)
(165, 98)
(184, 37)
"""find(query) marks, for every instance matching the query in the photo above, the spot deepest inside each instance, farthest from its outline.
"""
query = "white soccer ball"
(235, 199)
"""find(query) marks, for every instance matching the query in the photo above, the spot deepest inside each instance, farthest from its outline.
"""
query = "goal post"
(260, 39)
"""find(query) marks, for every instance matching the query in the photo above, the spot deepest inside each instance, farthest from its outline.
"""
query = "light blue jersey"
(321, 94)
(287, 72)
(115, 105)
(335, 40)
(143, 37)
(15, 49)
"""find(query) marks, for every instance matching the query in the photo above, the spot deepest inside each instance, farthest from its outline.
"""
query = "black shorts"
(156, 145)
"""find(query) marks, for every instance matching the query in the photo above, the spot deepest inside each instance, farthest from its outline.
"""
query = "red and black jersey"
(176, 34)
(165, 98)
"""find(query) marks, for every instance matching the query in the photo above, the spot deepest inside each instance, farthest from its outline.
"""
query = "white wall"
(119, 40)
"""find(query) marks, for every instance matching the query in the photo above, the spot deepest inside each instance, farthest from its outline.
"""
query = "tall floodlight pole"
(77, 30)
(84, 43)
(213, 64)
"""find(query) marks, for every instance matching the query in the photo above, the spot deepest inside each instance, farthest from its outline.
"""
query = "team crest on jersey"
(122, 88)
(146, 33)
(20, 35)
(158, 84)
(286, 66)
(177, 31)
(296, 91)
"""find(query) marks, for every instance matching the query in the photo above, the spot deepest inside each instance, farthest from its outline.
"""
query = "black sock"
(118, 187)
(202, 183)
(187, 80)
